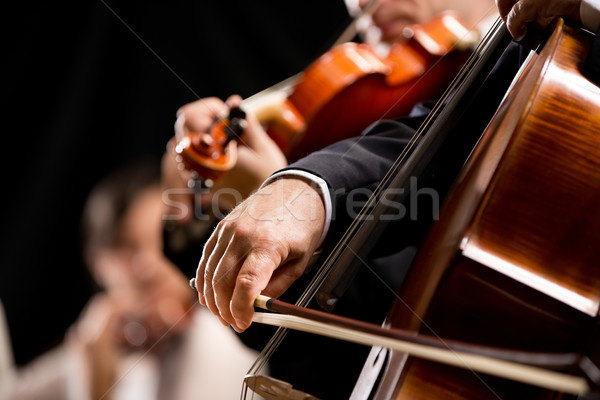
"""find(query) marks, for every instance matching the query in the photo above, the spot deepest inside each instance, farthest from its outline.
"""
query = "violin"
(341, 93)
(512, 261)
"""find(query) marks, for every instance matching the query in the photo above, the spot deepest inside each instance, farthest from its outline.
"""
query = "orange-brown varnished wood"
(482, 306)
(522, 214)
(210, 156)
(369, 99)
(541, 214)
(351, 86)
(347, 89)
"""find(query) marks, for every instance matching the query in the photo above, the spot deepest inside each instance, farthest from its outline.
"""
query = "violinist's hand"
(517, 14)
(258, 155)
(258, 158)
(262, 246)
(197, 116)
(392, 17)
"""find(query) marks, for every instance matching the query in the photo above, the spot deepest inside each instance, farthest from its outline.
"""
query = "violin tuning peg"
(237, 112)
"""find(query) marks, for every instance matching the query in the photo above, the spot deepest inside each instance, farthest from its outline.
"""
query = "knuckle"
(525, 9)
(247, 280)
(199, 283)
(184, 109)
(273, 250)
(220, 281)
(296, 273)
(243, 232)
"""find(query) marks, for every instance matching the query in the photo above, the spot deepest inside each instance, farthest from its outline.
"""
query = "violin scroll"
(210, 155)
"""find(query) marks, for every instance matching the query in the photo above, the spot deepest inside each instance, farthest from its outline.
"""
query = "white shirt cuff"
(321, 187)
(589, 11)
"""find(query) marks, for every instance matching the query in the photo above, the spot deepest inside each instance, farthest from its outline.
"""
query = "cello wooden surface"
(512, 261)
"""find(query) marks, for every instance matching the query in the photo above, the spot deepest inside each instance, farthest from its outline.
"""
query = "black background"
(87, 86)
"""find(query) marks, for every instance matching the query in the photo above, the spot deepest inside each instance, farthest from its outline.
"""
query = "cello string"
(431, 118)
(311, 289)
(399, 162)
(285, 85)
(433, 332)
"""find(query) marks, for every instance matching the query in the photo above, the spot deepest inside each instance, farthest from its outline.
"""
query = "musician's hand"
(262, 246)
(393, 16)
(258, 158)
(258, 155)
(517, 14)
(199, 115)
(196, 116)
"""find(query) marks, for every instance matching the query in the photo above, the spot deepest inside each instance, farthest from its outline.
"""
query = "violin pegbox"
(208, 155)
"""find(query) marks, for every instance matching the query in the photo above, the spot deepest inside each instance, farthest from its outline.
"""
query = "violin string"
(326, 266)
(432, 116)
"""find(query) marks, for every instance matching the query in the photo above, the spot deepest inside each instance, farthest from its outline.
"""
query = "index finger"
(251, 280)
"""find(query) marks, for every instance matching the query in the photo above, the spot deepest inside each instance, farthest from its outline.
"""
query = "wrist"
(315, 183)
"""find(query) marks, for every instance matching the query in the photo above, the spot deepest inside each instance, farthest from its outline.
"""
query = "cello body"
(514, 260)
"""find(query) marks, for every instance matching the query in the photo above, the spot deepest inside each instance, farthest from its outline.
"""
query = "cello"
(518, 232)
(512, 260)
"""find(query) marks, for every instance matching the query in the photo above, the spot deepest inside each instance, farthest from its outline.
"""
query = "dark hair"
(110, 199)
